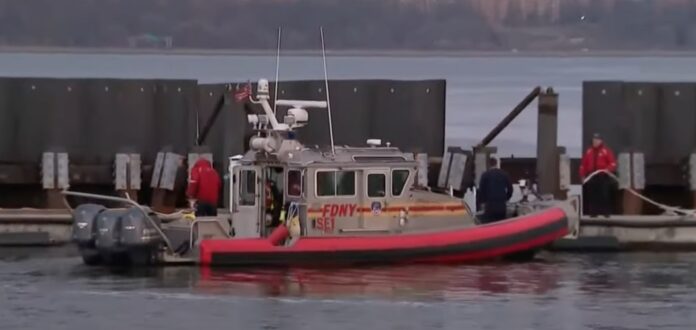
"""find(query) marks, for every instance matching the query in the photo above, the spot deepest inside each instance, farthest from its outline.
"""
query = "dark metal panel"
(139, 116)
(208, 97)
(103, 125)
(410, 115)
(665, 174)
(93, 119)
(48, 117)
(603, 112)
(175, 107)
(352, 106)
(641, 100)
(8, 120)
(676, 137)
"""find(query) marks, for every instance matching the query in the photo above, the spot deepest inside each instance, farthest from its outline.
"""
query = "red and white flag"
(242, 94)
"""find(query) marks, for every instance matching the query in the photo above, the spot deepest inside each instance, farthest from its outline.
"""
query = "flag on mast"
(242, 94)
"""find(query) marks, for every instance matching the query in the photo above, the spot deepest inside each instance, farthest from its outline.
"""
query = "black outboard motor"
(84, 231)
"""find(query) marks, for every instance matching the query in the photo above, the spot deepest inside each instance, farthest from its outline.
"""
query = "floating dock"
(34, 227)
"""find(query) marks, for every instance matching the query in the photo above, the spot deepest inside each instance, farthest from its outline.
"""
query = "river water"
(42, 289)
(51, 289)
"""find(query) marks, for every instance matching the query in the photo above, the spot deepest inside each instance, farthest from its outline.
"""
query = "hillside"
(355, 24)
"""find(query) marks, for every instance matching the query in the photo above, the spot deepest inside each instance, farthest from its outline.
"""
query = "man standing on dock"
(204, 188)
(597, 191)
(495, 189)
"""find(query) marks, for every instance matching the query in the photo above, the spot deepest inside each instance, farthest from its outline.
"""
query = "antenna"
(275, 97)
(326, 82)
(198, 128)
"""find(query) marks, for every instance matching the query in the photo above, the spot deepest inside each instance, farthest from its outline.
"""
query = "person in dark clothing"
(495, 189)
(275, 203)
(274, 195)
(597, 192)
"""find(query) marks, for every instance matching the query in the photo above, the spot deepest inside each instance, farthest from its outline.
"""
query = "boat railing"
(194, 225)
(126, 201)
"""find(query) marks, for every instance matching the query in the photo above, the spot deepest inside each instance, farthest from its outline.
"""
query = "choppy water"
(53, 290)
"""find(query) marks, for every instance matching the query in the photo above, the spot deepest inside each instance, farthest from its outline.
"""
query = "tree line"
(354, 24)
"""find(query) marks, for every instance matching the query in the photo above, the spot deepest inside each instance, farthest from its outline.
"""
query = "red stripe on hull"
(402, 242)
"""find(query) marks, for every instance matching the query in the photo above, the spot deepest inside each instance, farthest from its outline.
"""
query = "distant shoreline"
(346, 53)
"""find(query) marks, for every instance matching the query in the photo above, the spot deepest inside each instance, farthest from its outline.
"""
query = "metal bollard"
(692, 172)
(127, 174)
(624, 170)
(455, 170)
(692, 177)
(444, 170)
(164, 179)
(55, 176)
(631, 168)
(422, 177)
(564, 176)
(166, 167)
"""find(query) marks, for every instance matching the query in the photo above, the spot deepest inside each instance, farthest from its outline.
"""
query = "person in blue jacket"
(494, 190)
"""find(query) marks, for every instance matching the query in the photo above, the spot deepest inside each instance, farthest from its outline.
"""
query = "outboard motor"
(84, 229)
(138, 237)
(108, 231)
(84, 232)
(137, 230)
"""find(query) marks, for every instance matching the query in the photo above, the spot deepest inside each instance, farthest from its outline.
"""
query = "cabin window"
(376, 185)
(294, 183)
(247, 187)
(399, 179)
(335, 183)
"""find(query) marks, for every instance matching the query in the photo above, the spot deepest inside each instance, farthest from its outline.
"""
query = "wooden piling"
(547, 167)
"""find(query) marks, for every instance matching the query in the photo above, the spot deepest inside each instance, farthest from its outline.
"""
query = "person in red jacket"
(597, 191)
(204, 188)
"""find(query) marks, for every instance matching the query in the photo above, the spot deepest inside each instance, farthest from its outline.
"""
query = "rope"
(163, 216)
(667, 208)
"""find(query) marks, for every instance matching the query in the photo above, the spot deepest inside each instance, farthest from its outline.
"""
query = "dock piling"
(547, 167)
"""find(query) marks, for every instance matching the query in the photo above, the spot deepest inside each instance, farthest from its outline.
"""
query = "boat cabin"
(336, 191)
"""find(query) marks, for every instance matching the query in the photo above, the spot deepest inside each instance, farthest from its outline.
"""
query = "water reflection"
(617, 291)
(404, 282)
